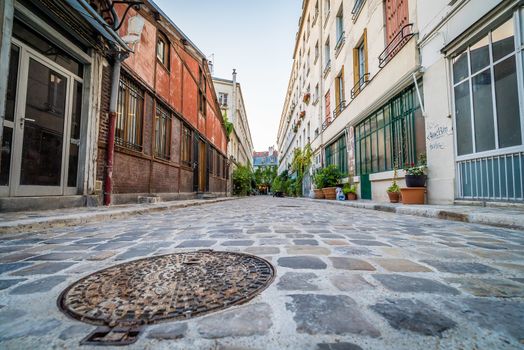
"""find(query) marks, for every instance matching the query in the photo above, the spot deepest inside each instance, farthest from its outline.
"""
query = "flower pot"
(415, 180)
(394, 197)
(330, 192)
(319, 194)
(351, 196)
(413, 195)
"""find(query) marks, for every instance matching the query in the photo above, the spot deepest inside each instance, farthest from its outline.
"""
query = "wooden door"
(202, 166)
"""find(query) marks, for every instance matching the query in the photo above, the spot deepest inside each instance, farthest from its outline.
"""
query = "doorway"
(202, 166)
(42, 126)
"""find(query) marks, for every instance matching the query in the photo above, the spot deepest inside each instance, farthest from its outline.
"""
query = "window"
(202, 99)
(327, 7)
(162, 50)
(128, 131)
(317, 94)
(162, 133)
(392, 136)
(317, 52)
(340, 100)
(487, 106)
(222, 99)
(357, 7)
(327, 54)
(360, 65)
(336, 154)
(340, 27)
(185, 153)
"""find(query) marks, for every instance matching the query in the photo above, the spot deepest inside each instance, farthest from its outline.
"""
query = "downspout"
(110, 148)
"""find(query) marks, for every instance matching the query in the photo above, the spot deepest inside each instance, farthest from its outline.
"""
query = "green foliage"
(227, 124)
(282, 183)
(300, 163)
(329, 176)
(265, 176)
(394, 187)
(242, 179)
(418, 169)
(349, 189)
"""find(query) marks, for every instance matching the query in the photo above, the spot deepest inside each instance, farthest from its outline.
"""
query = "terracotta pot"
(330, 192)
(394, 197)
(415, 180)
(413, 195)
(319, 194)
(351, 196)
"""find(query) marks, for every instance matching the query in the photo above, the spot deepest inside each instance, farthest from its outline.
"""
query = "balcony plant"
(415, 174)
(307, 97)
(350, 191)
(302, 114)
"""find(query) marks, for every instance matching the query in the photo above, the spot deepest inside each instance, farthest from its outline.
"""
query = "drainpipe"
(110, 150)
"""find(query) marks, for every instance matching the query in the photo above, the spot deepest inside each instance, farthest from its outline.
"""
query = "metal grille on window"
(128, 131)
(162, 133)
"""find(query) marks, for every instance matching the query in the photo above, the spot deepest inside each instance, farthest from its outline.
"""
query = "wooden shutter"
(366, 67)
(397, 16)
(343, 98)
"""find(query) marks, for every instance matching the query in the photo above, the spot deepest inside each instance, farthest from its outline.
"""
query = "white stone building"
(240, 146)
(473, 82)
(379, 64)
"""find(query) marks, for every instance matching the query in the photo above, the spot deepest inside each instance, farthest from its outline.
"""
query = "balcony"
(360, 85)
(327, 68)
(395, 45)
(357, 8)
(326, 123)
(340, 42)
(339, 109)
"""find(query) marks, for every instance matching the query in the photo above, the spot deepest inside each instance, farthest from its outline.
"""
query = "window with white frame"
(486, 93)
(222, 98)
(327, 52)
(340, 25)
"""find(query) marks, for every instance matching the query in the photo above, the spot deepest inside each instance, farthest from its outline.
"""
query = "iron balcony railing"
(360, 85)
(359, 4)
(326, 123)
(395, 45)
(327, 68)
(340, 41)
(338, 109)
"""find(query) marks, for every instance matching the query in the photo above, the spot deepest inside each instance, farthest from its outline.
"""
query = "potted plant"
(415, 175)
(331, 178)
(302, 114)
(394, 192)
(350, 191)
(318, 181)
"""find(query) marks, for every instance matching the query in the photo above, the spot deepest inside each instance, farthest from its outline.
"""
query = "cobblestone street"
(346, 278)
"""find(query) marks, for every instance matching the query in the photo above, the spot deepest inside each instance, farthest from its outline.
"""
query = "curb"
(73, 219)
(450, 214)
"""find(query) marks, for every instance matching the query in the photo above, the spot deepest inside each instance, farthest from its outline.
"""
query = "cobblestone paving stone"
(346, 278)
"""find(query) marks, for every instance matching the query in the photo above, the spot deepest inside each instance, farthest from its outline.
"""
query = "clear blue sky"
(256, 38)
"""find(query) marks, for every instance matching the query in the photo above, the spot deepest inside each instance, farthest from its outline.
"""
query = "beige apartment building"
(363, 71)
(240, 148)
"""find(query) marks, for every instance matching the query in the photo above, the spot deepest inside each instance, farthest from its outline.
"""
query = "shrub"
(242, 180)
(329, 176)
(349, 189)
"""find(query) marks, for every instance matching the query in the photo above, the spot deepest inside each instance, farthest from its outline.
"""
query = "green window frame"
(388, 137)
(336, 154)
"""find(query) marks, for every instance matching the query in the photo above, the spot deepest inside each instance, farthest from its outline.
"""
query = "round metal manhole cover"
(167, 287)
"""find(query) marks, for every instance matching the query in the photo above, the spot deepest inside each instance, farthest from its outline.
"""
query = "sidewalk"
(13, 222)
(493, 216)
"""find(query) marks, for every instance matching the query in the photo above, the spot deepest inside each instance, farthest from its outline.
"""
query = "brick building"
(170, 139)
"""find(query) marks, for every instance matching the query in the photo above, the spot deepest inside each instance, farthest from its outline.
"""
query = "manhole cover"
(167, 287)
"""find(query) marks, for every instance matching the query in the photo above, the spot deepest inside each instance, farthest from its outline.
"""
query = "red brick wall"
(176, 85)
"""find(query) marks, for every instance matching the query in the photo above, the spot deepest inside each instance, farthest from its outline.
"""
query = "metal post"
(6, 25)
(115, 83)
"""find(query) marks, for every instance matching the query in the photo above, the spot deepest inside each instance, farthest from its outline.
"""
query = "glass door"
(45, 128)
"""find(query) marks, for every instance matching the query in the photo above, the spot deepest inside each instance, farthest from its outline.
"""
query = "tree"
(300, 163)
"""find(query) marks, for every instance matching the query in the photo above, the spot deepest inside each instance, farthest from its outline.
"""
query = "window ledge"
(387, 175)
(340, 44)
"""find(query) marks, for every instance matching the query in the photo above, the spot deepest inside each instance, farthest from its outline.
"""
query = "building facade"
(59, 58)
(473, 82)
(229, 93)
(363, 72)
(265, 159)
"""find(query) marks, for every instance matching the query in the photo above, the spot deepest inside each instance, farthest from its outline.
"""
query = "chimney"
(234, 97)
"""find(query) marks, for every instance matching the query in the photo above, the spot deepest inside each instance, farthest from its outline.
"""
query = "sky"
(257, 39)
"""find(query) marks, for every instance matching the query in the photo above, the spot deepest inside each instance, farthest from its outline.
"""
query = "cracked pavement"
(346, 278)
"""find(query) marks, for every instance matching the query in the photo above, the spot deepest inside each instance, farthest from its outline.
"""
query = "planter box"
(319, 194)
(413, 195)
(330, 192)
(351, 196)
(415, 180)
